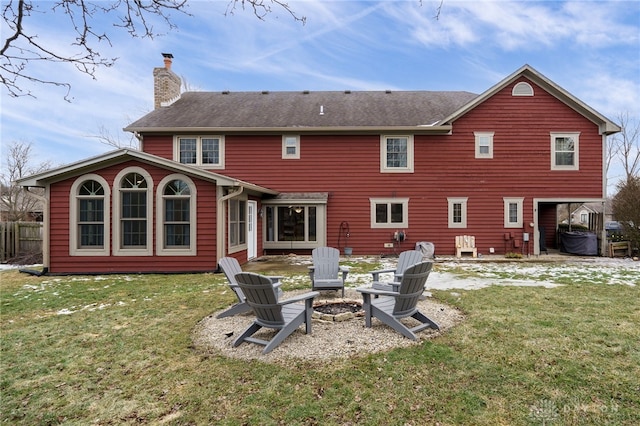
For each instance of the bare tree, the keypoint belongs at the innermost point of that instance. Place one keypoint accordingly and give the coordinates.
(625, 146)
(626, 208)
(17, 201)
(89, 20)
(116, 141)
(23, 47)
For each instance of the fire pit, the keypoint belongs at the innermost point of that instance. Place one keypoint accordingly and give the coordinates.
(337, 311)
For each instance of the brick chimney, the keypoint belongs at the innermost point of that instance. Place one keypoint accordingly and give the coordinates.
(166, 84)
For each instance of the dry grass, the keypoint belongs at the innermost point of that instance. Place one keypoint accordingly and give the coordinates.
(118, 350)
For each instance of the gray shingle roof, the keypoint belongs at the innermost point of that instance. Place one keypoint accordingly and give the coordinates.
(297, 110)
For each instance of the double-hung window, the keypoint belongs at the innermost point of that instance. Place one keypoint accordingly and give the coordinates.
(564, 151)
(205, 151)
(89, 217)
(133, 228)
(396, 154)
(513, 212)
(484, 144)
(457, 212)
(389, 212)
(176, 225)
(290, 147)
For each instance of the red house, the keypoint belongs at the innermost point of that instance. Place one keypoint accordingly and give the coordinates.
(247, 174)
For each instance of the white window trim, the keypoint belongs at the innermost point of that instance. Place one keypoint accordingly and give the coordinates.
(74, 246)
(458, 200)
(522, 89)
(176, 150)
(117, 249)
(321, 231)
(294, 156)
(243, 246)
(576, 154)
(383, 155)
(389, 201)
(520, 202)
(478, 137)
(160, 249)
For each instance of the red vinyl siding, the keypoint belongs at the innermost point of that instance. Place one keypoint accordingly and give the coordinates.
(348, 168)
(160, 145)
(62, 262)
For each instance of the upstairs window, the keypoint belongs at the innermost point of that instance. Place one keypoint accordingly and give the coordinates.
(176, 227)
(291, 147)
(89, 217)
(564, 151)
(389, 212)
(484, 144)
(522, 89)
(205, 151)
(396, 154)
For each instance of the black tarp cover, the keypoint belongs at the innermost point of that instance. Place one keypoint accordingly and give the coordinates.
(583, 243)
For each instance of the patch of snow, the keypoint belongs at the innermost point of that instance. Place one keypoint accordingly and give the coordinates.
(449, 281)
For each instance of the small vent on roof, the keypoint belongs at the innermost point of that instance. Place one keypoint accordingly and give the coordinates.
(265, 92)
(522, 89)
(305, 92)
(321, 109)
(347, 91)
(387, 91)
(225, 92)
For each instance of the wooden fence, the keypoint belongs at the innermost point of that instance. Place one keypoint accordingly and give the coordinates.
(20, 239)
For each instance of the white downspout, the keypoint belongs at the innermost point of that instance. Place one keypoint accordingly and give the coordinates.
(221, 223)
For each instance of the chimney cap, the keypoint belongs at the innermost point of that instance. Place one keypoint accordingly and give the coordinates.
(167, 55)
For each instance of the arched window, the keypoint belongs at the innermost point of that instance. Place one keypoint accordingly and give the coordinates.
(134, 210)
(89, 217)
(522, 89)
(176, 225)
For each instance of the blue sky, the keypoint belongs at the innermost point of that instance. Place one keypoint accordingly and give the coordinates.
(590, 48)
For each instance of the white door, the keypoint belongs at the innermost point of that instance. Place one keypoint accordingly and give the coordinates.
(252, 229)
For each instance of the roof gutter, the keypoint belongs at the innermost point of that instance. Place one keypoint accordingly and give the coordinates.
(419, 129)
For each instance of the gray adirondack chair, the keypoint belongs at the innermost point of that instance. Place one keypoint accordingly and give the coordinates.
(230, 266)
(326, 272)
(285, 316)
(392, 306)
(406, 259)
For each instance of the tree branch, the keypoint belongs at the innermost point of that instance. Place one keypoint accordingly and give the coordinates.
(23, 47)
(262, 8)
